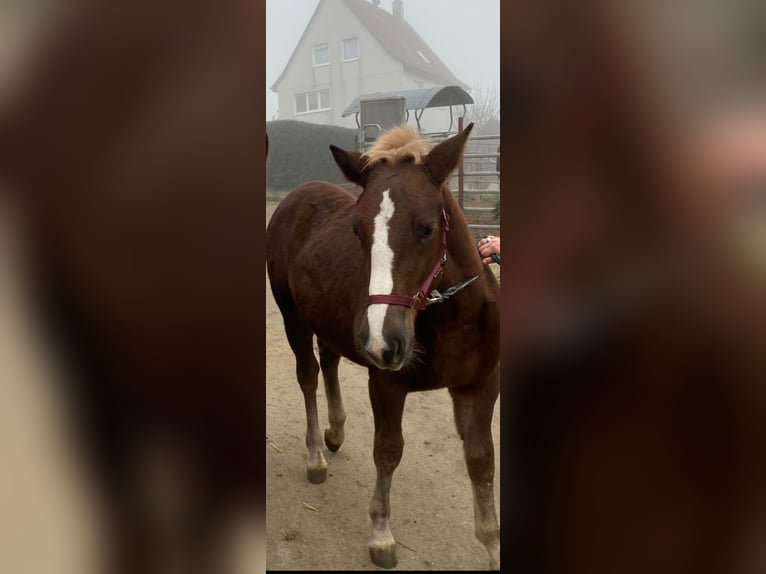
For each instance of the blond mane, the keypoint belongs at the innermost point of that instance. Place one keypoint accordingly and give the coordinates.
(396, 145)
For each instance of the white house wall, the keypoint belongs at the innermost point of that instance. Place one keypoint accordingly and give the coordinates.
(374, 71)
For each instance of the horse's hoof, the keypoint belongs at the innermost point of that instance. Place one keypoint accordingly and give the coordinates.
(333, 440)
(316, 475)
(383, 556)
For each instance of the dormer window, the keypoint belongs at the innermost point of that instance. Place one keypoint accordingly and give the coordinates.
(423, 56)
(321, 55)
(350, 49)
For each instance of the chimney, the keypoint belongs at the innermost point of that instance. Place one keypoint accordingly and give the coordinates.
(398, 10)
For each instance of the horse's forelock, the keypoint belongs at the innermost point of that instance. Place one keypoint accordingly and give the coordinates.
(396, 146)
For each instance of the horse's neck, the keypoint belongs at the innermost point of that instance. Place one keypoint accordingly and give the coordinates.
(462, 253)
(463, 259)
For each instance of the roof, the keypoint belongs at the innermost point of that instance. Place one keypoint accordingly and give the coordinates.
(418, 99)
(398, 38)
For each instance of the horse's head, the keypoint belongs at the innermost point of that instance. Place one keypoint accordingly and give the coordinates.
(399, 220)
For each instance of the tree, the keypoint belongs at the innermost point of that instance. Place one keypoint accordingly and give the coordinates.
(485, 111)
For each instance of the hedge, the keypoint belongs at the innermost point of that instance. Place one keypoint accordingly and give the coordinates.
(300, 152)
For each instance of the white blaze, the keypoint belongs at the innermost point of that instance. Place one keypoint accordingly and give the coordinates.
(381, 273)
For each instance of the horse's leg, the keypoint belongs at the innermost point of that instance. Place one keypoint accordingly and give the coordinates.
(473, 416)
(387, 400)
(301, 340)
(328, 361)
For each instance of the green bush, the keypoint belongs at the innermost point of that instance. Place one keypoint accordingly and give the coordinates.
(300, 152)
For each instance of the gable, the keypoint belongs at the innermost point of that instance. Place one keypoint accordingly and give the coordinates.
(403, 43)
(397, 38)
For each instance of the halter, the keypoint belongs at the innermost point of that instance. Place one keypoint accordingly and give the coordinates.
(420, 301)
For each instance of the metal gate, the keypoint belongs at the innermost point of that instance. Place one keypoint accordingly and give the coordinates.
(479, 185)
(476, 181)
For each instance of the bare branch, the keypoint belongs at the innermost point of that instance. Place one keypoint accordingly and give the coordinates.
(485, 111)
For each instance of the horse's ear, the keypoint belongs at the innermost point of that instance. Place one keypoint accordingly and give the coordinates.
(443, 159)
(350, 163)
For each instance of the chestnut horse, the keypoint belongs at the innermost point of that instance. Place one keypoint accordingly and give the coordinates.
(358, 274)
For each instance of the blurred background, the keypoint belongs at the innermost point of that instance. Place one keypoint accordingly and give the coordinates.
(131, 361)
(634, 228)
(49, 521)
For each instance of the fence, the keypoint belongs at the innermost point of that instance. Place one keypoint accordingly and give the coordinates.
(476, 182)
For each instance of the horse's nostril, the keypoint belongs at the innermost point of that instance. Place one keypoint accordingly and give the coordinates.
(393, 353)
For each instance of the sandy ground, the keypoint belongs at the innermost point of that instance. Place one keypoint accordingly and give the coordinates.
(432, 507)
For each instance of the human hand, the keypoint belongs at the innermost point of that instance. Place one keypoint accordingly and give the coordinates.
(488, 246)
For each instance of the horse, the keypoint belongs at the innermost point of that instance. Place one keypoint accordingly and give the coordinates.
(356, 272)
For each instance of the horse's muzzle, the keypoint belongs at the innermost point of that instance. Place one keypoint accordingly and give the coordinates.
(392, 351)
(392, 357)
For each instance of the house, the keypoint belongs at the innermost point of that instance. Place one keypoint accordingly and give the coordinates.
(353, 47)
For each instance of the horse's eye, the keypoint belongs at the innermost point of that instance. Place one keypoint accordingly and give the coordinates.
(425, 231)
(355, 229)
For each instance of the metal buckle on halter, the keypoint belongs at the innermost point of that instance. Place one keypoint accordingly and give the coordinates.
(437, 297)
(444, 262)
(419, 301)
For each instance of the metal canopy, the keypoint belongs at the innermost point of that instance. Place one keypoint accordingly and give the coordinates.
(419, 99)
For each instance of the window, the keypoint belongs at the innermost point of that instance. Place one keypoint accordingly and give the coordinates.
(321, 55)
(324, 100)
(300, 104)
(316, 101)
(350, 49)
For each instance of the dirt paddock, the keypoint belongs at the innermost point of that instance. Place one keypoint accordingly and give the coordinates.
(326, 526)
